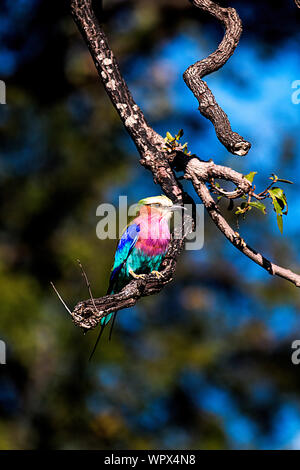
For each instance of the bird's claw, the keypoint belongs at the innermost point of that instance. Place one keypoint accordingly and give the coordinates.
(137, 276)
(157, 274)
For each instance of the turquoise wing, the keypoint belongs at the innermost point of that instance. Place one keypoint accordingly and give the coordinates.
(124, 248)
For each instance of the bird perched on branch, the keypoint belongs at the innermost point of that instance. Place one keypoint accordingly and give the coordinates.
(142, 247)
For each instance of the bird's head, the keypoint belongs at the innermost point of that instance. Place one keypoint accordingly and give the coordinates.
(159, 204)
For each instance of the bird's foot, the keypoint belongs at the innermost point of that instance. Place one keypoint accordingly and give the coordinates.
(157, 274)
(137, 276)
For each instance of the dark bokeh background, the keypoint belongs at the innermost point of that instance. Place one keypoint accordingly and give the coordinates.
(207, 363)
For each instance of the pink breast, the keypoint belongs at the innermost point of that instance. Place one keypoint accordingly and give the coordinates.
(154, 235)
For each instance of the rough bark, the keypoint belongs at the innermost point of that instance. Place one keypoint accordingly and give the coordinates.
(208, 106)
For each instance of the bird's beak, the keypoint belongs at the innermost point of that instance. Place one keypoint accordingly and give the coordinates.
(177, 208)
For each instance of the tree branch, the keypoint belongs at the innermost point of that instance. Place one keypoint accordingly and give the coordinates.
(233, 236)
(208, 106)
(162, 163)
(147, 141)
(153, 157)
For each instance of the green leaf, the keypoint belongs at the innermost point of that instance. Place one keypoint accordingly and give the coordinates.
(180, 134)
(250, 176)
(275, 203)
(239, 211)
(258, 205)
(280, 196)
(278, 192)
(280, 203)
(244, 207)
(280, 223)
(275, 178)
(285, 181)
(170, 137)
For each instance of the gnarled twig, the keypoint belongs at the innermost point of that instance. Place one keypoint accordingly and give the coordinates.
(208, 106)
(147, 141)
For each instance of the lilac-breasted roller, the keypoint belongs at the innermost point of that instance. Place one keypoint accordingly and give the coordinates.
(142, 247)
